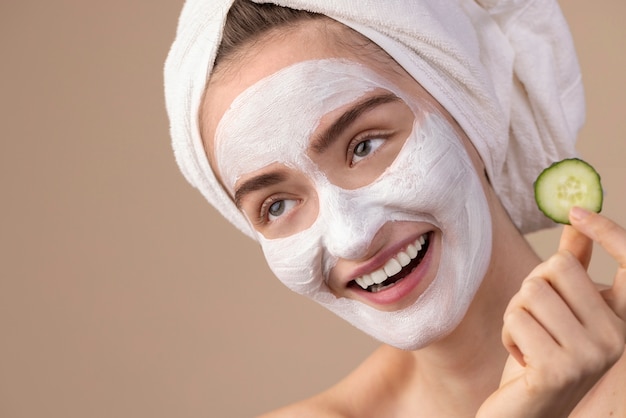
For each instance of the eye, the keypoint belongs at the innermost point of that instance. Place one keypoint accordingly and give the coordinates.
(365, 148)
(273, 209)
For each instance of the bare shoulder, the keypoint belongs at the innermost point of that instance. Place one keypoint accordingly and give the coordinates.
(328, 404)
(608, 396)
(373, 386)
(318, 406)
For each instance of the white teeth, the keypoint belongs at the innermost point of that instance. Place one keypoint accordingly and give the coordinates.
(392, 267)
(364, 281)
(360, 282)
(403, 258)
(367, 280)
(379, 276)
(412, 251)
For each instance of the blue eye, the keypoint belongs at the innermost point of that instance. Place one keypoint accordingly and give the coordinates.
(279, 208)
(365, 148)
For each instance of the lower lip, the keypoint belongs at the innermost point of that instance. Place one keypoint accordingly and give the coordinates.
(396, 294)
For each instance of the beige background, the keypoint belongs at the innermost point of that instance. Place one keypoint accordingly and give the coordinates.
(122, 293)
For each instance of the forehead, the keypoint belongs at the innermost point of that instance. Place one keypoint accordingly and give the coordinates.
(274, 119)
(310, 40)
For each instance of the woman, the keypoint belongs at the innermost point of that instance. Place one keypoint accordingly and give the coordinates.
(383, 163)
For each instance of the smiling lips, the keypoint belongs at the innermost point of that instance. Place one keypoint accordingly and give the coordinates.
(396, 268)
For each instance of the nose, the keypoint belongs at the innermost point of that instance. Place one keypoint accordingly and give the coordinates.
(351, 221)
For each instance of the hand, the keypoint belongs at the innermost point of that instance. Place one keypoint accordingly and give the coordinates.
(561, 332)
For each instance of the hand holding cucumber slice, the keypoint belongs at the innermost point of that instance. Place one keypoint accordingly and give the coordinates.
(568, 183)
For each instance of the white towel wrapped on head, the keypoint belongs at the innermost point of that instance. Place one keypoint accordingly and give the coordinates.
(506, 70)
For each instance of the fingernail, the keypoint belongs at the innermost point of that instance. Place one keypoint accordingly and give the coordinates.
(578, 213)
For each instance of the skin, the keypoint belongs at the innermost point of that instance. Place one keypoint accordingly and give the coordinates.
(539, 339)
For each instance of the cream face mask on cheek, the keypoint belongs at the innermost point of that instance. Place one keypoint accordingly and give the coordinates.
(432, 180)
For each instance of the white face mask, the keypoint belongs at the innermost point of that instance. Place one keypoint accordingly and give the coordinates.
(431, 180)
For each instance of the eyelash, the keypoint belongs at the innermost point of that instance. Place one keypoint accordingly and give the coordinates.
(362, 138)
(263, 217)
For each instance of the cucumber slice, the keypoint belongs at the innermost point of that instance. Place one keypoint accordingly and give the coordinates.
(568, 183)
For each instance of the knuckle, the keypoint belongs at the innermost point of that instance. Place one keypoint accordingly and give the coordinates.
(563, 261)
(533, 288)
(512, 317)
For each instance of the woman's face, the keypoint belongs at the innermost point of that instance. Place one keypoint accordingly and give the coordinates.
(362, 189)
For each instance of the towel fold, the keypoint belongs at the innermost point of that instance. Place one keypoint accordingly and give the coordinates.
(506, 70)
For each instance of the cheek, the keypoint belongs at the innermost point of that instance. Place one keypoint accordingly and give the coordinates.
(298, 261)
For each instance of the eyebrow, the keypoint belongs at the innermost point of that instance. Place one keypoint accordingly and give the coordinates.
(327, 137)
(257, 183)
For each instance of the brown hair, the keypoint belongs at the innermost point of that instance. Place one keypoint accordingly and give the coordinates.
(247, 21)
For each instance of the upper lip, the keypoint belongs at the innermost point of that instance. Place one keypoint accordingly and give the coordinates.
(382, 256)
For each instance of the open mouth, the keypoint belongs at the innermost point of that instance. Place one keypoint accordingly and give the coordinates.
(397, 268)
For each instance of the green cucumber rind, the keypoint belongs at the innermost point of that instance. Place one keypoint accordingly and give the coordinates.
(542, 190)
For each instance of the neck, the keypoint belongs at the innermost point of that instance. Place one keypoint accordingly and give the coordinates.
(461, 370)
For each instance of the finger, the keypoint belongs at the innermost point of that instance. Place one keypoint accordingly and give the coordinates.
(551, 311)
(525, 339)
(576, 243)
(612, 238)
(604, 231)
(567, 277)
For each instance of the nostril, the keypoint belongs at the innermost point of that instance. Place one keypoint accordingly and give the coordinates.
(350, 221)
(347, 246)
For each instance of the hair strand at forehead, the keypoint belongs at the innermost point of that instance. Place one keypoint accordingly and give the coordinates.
(247, 21)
